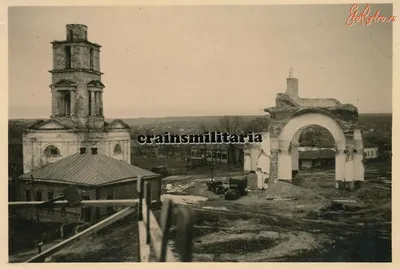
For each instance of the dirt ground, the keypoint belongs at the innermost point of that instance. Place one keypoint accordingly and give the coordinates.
(309, 226)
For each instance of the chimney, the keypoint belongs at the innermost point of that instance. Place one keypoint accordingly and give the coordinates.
(292, 87)
(82, 150)
(94, 151)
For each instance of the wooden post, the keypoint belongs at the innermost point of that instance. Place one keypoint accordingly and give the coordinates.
(39, 241)
(38, 236)
(138, 252)
(185, 233)
(148, 205)
(166, 221)
(139, 188)
(140, 193)
(157, 237)
(97, 208)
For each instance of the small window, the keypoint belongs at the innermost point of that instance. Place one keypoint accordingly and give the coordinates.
(224, 156)
(28, 195)
(71, 35)
(117, 149)
(50, 195)
(38, 195)
(91, 59)
(67, 57)
(52, 151)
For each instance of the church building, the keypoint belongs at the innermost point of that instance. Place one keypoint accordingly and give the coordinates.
(77, 118)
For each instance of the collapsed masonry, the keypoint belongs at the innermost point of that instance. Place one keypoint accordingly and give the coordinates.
(277, 157)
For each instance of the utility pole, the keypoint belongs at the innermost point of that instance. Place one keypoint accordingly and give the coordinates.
(39, 241)
(212, 164)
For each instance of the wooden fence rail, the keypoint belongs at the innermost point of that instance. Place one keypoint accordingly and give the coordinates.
(83, 203)
(152, 238)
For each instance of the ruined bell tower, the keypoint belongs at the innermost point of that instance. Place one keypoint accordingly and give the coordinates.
(77, 90)
(77, 118)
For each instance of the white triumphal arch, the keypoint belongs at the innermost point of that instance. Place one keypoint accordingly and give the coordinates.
(277, 157)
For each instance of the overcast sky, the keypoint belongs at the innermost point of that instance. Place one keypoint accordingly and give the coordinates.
(211, 60)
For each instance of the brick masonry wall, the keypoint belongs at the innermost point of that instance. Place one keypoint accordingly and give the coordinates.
(274, 166)
(57, 214)
(69, 143)
(81, 93)
(127, 190)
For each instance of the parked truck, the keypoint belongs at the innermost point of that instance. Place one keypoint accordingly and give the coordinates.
(195, 162)
(234, 189)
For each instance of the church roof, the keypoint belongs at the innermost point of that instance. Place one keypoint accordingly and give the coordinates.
(66, 123)
(112, 124)
(59, 125)
(96, 83)
(89, 170)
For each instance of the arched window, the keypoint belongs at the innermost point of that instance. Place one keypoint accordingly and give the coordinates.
(52, 151)
(117, 149)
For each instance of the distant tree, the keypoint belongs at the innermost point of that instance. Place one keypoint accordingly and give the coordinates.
(202, 129)
(143, 130)
(256, 125)
(316, 136)
(232, 125)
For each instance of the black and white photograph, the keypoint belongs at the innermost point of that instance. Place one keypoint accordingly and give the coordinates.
(200, 133)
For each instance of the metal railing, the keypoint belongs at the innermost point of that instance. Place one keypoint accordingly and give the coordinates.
(153, 238)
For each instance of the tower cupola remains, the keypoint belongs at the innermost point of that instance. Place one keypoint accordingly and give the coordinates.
(76, 122)
(76, 32)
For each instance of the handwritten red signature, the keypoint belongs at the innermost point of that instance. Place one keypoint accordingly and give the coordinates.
(364, 18)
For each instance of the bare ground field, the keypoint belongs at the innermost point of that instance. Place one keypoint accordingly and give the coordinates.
(256, 228)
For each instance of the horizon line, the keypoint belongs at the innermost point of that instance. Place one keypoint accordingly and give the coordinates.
(194, 116)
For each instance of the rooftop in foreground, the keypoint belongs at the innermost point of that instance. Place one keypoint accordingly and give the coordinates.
(88, 169)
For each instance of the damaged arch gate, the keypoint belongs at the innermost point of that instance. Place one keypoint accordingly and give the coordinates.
(151, 237)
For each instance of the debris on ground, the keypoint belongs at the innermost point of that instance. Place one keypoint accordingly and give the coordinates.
(281, 198)
(178, 188)
(218, 208)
